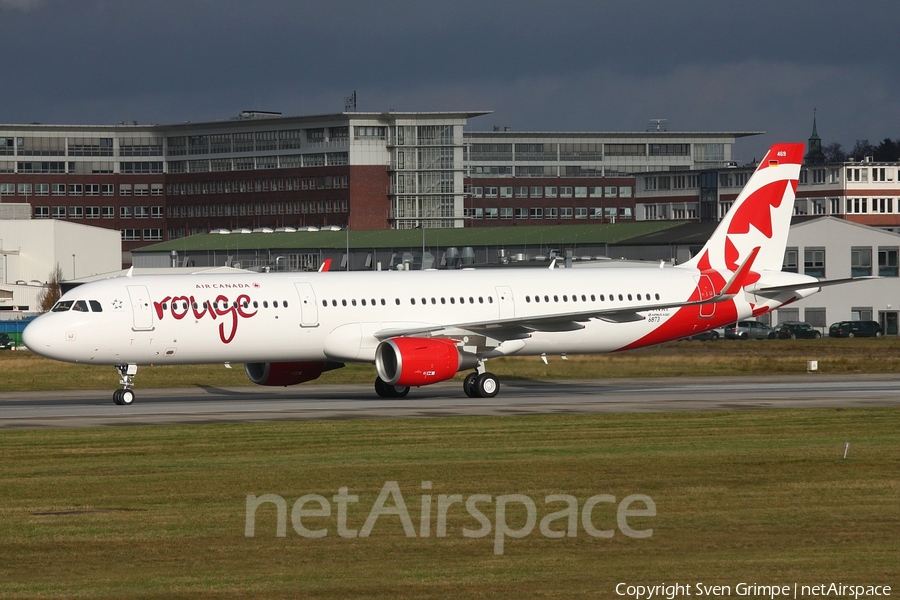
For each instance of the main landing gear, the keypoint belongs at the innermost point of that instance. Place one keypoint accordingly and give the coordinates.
(481, 385)
(390, 391)
(125, 396)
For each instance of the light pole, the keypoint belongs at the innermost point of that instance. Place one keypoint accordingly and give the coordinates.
(73, 266)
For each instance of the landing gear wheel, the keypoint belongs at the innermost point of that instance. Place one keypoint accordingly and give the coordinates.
(390, 391)
(123, 397)
(469, 385)
(487, 385)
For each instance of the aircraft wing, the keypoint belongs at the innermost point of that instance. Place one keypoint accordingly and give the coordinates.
(521, 327)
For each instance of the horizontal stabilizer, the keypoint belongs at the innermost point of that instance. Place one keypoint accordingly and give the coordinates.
(793, 287)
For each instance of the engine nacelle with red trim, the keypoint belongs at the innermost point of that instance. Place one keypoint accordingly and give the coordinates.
(287, 373)
(420, 361)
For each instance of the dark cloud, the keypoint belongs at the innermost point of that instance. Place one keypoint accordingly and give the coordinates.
(563, 65)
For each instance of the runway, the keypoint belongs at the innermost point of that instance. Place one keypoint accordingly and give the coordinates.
(251, 403)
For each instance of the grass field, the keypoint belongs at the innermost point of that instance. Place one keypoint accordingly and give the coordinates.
(159, 512)
(21, 371)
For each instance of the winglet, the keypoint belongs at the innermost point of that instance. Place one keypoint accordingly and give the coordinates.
(325, 266)
(130, 271)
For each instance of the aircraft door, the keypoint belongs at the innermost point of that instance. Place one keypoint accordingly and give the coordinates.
(707, 290)
(309, 311)
(507, 305)
(141, 308)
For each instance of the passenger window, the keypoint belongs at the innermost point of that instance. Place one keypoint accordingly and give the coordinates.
(490, 299)
(325, 303)
(412, 300)
(283, 304)
(363, 301)
(343, 303)
(95, 306)
(265, 304)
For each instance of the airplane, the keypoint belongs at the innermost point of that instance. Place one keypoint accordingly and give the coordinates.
(423, 327)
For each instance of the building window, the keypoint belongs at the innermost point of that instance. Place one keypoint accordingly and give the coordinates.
(789, 264)
(814, 262)
(41, 212)
(131, 235)
(109, 212)
(521, 212)
(581, 212)
(551, 212)
(861, 313)
(153, 234)
(93, 212)
(506, 213)
(536, 213)
(59, 212)
(565, 213)
(860, 262)
(887, 262)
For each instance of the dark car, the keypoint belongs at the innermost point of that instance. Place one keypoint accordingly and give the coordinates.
(855, 329)
(5, 342)
(708, 336)
(796, 330)
(749, 330)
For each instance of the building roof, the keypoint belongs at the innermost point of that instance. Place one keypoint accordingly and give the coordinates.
(412, 238)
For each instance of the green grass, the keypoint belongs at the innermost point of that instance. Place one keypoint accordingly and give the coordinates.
(23, 371)
(158, 512)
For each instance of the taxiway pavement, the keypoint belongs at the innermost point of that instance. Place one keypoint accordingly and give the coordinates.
(251, 403)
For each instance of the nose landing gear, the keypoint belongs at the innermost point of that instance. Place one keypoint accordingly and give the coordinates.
(125, 396)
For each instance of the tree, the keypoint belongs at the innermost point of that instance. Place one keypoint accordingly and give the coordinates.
(50, 295)
(862, 149)
(887, 151)
(834, 153)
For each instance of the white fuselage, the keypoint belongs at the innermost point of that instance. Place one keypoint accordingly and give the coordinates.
(180, 319)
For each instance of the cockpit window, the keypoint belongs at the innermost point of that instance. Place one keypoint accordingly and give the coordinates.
(62, 306)
(95, 306)
(80, 306)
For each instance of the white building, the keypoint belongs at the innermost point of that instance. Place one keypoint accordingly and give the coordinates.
(32, 249)
(835, 248)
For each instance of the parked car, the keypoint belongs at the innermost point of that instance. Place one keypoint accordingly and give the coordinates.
(855, 329)
(5, 342)
(749, 330)
(708, 336)
(796, 330)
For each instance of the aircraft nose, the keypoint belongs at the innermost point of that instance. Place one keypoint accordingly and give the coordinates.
(39, 336)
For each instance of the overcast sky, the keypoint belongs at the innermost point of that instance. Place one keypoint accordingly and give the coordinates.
(565, 65)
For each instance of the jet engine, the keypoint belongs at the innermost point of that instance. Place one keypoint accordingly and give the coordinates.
(288, 373)
(410, 361)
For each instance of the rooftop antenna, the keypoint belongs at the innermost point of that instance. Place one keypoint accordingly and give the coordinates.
(657, 125)
(350, 102)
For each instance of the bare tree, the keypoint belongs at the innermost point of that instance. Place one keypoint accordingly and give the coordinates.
(50, 295)
(834, 153)
(862, 149)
